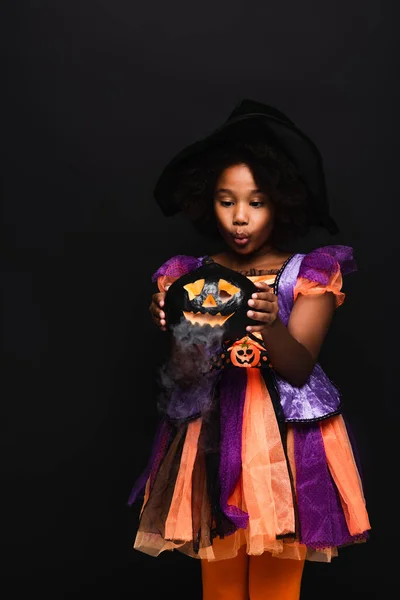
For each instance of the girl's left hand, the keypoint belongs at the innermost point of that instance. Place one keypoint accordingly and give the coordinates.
(264, 307)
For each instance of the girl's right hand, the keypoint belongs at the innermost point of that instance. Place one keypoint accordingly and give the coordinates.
(157, 314)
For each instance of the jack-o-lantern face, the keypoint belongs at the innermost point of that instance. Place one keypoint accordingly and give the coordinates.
(246, 353)
(211, 295)
(208, 299)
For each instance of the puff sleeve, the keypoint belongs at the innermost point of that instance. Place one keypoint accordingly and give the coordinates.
(174, 268)
(322, 271)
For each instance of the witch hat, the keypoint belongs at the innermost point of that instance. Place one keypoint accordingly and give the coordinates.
(251, 120)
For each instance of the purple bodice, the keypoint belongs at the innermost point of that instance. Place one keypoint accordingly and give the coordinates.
(318, 398)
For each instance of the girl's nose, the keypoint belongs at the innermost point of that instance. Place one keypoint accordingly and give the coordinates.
(240, 215)
(240, 218)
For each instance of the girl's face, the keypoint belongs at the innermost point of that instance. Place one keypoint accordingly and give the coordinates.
(244, 214)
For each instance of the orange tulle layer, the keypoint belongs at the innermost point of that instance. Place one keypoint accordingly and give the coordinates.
(334, 285)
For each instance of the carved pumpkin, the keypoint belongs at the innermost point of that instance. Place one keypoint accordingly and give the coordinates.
(211, 295)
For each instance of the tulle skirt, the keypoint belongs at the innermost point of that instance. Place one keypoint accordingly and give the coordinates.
(239, 475)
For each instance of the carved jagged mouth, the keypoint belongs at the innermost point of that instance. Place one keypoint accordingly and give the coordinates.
(206, 319)
(245, 361)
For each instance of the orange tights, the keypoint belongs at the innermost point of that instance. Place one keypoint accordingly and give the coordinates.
(252, 578)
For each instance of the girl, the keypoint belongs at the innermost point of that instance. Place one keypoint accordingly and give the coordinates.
(259, 474)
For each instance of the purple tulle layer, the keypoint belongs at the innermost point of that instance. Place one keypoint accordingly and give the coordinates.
(177, 266)
(320, 264)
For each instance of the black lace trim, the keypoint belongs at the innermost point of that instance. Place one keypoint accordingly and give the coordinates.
(278, 277)
(255, 272)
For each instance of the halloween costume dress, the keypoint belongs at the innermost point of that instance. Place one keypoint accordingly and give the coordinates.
(242, 457)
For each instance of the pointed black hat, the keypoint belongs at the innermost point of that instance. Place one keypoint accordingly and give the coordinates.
(252, 120)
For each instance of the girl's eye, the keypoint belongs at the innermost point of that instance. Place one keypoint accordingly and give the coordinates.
(225, 202)
(257, 203)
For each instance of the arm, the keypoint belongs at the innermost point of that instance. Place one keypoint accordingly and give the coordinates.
(294, 350)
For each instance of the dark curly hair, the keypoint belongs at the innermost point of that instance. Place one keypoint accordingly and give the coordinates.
(273, 173)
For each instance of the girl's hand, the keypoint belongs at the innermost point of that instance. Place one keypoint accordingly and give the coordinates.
(157, 314)
(264, 307)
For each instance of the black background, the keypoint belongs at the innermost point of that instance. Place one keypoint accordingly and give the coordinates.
(99, 95)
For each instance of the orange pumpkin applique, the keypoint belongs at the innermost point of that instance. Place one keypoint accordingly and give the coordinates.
(246, 353)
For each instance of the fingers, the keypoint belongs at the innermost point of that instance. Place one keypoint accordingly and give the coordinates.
(263, 301)
(159, 298)
(265, 292)
(253, 328)
(158, 315)
(264, 317)
(264, 307)
(159, 320)
(262, 320)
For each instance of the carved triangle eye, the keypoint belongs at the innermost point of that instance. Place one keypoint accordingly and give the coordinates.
(226, 290)
(194, 289)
